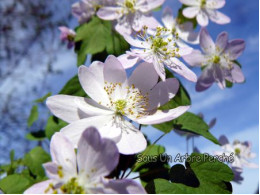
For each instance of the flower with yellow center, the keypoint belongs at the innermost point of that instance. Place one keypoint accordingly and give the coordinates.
(116, 99)
(83, 172)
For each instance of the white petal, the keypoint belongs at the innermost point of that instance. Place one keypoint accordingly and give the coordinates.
(127, 60)
(163, 116)
(191, 12)
(167, 18)
(202, 18)
(159, 67)
(218, 17)
(96, 157)
(104, 123)
(109, 13)
(190, 2)
(196, 58)
(40, 188)
(206, 42)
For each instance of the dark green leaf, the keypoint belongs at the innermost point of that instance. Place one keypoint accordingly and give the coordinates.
(53, 125)
(208, 175)
(33, 116)
(36, 136)
(42, 99)
(15, 184)
(34, 160)
(73, 87)
(229, 84)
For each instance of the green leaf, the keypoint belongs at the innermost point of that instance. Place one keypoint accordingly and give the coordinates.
(195, 124)
(15, 184)
(34, 160)
(93, 37)
(53, 125)
(36, 136)
(42, 99)
(73, 87)
(208, 177)
(229, 84)
(33, 116)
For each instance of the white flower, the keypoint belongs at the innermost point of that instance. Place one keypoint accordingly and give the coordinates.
(84, 172)
(131, 15)
(204, 10)
(114, 98)
(158, 49)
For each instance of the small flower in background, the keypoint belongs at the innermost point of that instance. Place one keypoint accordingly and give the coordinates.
(237, 174)
(240, 150)
(84, 172)
(158, 49)
(85, 9)
(67, 35)
(131, 15)
(217, 60)
(204, 10)
(113, 98)
(184, 31)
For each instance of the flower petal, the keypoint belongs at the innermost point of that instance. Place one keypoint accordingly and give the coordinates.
(96, 157)
(223, 140)
(180, 68)
(163, 92)
(150, 5)
(235, 48)
(109, 13)
(127, 60)
(149, 21)
(196, 58)
(163, 115)
(132, 140)
(190, 2)
(215, 4)
(191, 12)
(206, 42)
(123, 186)
(205, 80)
(51, 170)
(218, 17)
(136, 42)
(222, 42)
(92, 81)
(40, 188)
(72, 108)
(104, 123)
(144, 77)
(159, 67)
(237, 74)
(202, 18)
(114, 71)
(167, 18)
(63, 154)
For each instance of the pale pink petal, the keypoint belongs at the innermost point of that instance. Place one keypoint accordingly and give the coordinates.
(51, 170)
(167, 18)
(219, 76)
(40, 188)
(237, 74)
(124, 28)
(132, 140)
(235, 48)
(150, 5)
(180, 68)
(150, 21)
(218, 17)
(205, 80)
(136, 42)
(96, 157)
(93, 84)
(105, 125)
(163, 92)
(63, 154)
(196, 58)
(187, 34)
(206, 42)
(127, 60)
(159, 68)
(114, 72)
(144, 77)
(222, 41)
(123, 186)
(202, 18)
(190, 12)
(109, 13)
(185, 50)
(72, 108)
(161, 116)
(190, 2)
(215, 4)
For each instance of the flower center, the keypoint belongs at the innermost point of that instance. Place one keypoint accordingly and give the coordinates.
(216, 59)
(203, 3)
(72, 187)
(126, 100)
(237, 151)
(129, 4)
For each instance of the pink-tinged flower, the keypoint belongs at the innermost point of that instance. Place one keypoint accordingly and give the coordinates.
(241, 151)
(85, 9)
(217, 60)
(131, 15)
(158, 49)
(185, 31)
(67, 35)
(204, 10)
(114, 98)
(84, 172)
